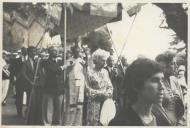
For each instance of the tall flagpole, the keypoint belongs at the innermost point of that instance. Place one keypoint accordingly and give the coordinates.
(65, 38)
(66, 99)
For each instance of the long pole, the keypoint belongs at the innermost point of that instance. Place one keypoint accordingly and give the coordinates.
(65, 39)
(66, 99)
(125, 42)
(115, 49)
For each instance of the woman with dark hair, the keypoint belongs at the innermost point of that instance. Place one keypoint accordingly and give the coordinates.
(143, 88)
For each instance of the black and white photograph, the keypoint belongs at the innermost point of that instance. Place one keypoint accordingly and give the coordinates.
(94, 64)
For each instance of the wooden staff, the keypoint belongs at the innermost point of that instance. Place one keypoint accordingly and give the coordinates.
(115, 50)
(36, 71)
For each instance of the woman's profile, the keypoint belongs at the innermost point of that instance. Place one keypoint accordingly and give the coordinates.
(143, 88)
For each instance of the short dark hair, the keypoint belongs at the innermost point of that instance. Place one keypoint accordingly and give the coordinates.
(136, 74)
(50, 49)
(165, 57)
(30, 48)
(109, 58)
(75, 50)
(23, 49)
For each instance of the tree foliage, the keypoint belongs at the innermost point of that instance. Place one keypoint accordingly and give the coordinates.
(176, 18)
(26, 9)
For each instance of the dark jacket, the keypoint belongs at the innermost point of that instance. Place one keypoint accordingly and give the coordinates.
(28, 74)
(54, 77)
(127, 117)
(161, 115)
(15, 68)
(117, 82)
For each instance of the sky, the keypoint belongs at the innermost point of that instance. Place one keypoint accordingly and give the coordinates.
(145, 38)
(142, 34)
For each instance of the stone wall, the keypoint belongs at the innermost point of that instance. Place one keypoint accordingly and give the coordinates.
(18, 32)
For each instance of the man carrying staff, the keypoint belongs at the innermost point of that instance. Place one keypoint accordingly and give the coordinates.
(53, 89)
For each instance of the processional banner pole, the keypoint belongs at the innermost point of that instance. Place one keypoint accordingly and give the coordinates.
(65, 39)
(66, 99)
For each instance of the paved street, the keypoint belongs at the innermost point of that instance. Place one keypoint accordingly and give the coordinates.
(9, 114)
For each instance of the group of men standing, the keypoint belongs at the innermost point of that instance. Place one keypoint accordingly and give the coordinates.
(43, 82)
(48, 95)
(33, 75)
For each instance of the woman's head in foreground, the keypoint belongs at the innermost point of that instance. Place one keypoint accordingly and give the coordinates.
(143, 81)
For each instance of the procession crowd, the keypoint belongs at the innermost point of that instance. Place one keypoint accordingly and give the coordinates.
(94, 89)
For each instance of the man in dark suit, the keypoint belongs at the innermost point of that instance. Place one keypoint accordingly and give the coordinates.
(53, 89)
(116, 78)
(17, 79)
(28, 71)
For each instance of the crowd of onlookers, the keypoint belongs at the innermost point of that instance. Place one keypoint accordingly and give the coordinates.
(94, 88)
